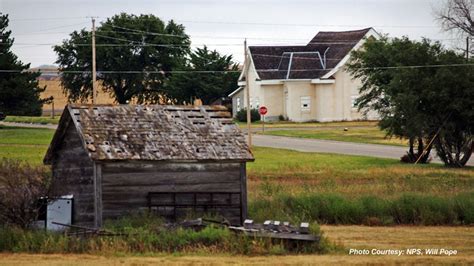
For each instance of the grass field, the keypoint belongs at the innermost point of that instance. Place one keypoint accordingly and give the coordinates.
(277, 174)
(288, 124)
(33, 119)
(369, 134)
(399, 237)
(29, 144)
(282, 171)
(357, 131)
(290, 185)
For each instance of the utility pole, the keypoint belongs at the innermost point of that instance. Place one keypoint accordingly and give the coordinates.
(247, 88)
(467, 47)
(52, 108)
(94, 89)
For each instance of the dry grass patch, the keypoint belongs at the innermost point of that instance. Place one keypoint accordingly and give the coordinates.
(460, 238)
(292, 172)
(161, 259)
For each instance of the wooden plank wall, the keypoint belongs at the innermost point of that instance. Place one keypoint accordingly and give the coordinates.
(125, 185)
(73, 174)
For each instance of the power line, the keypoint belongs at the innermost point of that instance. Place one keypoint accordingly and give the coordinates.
(194, 36)
(54, 28)
(139, 43)
(152, 33)
(214, 36)
(223, 44)
(307, 24)
(228, 44)
(185, 45)
(250, 23)
(295, 57)
(231, 71)
(206, 36)
(46, 18)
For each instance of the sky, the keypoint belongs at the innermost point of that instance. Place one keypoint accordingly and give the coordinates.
(222, 24)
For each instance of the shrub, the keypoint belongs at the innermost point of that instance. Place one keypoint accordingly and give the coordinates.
(371, 210)
(21, 185)
(464, 207)
(426, 210)
(242, 115)
(282, 118)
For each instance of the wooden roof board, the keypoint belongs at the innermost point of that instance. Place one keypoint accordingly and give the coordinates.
(155, 132)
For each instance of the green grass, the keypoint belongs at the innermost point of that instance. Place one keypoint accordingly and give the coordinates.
(31, 153)
(288, 124)
(270, 160)
(291, 185)
(33, 119)
(283, 171)
(25, 136)
(372, 135)
(29, 144)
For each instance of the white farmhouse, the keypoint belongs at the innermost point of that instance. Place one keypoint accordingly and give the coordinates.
(304, 83)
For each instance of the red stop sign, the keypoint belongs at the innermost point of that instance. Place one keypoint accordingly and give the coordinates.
(262, 110)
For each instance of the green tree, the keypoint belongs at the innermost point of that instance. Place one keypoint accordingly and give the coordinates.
(19, 89)
(215, 76)
(452, 107)
(418, 103)
(134, 56)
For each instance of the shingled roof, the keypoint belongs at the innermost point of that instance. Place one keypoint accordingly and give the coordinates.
(153, 132)
(271, 62)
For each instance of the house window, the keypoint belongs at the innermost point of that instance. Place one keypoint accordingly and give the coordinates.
(305, 103)
(353, 101)
(254, 102)
(238, 104)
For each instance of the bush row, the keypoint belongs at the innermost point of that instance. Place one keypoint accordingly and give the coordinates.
(241, 115)
(413, 209)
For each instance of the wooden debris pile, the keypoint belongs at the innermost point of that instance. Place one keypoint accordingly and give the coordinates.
(82, 231)
(269, 229)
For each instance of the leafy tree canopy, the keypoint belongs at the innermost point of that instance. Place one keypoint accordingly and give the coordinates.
(19, 89)
(420, 90)
(215, 77)
(134, 56)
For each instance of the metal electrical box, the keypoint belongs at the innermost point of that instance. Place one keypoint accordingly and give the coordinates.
(59, 210)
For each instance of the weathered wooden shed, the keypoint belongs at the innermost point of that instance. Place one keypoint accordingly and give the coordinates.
(116, 160)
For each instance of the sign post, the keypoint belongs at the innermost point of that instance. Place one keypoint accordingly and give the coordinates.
(263, 111)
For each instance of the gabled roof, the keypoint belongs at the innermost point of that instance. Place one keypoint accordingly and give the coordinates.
(235, 91)
(307, 62)
(153, 133)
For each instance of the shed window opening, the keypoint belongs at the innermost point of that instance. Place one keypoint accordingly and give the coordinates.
(305, 103)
